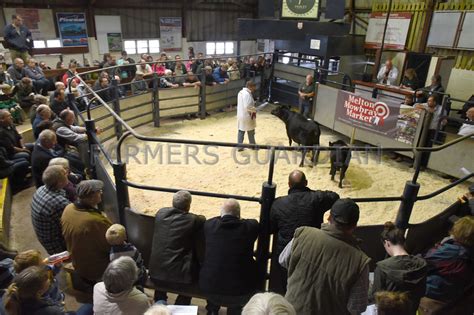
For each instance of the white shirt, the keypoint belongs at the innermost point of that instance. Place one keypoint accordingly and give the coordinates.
(392, 75)
(145, 71)
(466, 129)
(245, 108)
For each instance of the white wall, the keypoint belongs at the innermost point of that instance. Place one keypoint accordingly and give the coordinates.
(460, 86)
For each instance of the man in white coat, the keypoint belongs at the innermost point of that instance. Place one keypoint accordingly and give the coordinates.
(388, 73)
(246, 113)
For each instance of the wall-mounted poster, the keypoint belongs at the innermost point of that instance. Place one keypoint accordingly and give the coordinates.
(72, 29)
(170, 33)
(397, 30)
(114, 40)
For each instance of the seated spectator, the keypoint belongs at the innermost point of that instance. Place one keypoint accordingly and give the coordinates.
(201, 66)
(191, 80)
(43, 152)
(319, 257)
(127, 69)
(233, 72)
(30, 258)
(47, 207)
(105, 59)
(167, 81)
(8, 102)
(400, 272)
(228, 273)
(59, 102)
(16, 171)
(179, 70)
(190, 63)
(84, 227)
(17, 70)
(116, 236)
(160, 67)
(57, 86)
(67, 132)
(450, 270)
(11, 140)
(80, 99)
(144, 68)
(34, 72)
(112, 72)
(24, 296)
(468, 127)
(463, 111)
(60, 65)
(220, 74)
(116, 294)
(44, 66)
(434, 89)
(104, 92)
(268, 303)
(158, 310)
(139, 85)
(25, 94)
(408, 100)
(73, 179)
(70, 73)
(410, 79)
(392, 303)
(173, 260)
(210, 80)
(5, 77)
(43, 113)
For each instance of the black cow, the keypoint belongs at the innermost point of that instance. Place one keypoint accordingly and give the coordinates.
(340, 159)
(300, 130)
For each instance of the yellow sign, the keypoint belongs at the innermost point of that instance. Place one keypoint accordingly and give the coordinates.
(300, 9)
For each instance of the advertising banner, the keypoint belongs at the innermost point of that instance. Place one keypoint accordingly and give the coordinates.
(397, 30)
(72, 29)
(170, 33)
(387, 118)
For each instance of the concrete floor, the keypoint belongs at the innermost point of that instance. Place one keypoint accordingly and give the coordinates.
(22, 237)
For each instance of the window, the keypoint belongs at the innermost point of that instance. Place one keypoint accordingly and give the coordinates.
(142, 46)
(219, 48)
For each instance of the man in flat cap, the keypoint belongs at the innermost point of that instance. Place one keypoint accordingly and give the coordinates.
(327, 271)
(84, 227)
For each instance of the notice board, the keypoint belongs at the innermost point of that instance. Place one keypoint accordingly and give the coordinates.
(397, 30)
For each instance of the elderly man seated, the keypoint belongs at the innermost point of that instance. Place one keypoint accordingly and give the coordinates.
(173, 260)
(228, 274)
(468, 127)
(47, 208)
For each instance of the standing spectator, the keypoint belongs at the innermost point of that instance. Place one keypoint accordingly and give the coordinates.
(392, 303)
(400, 272)
(116, 236)
(17, 70)
(467, 127)
(220, 74)
(388, 73)
(18, 39)
(84, 228)
(116, 294)
(190, 52)
(11, 140)
(209, 78)
(246, 113)
(139, 85)
(179, 69)
(228, 273)
(434, 89)
(410, 79)
(47, 207)
(327, 272)
(306, 95)
(34, 72)
(59, 102)
(450, 271)
(173, 260)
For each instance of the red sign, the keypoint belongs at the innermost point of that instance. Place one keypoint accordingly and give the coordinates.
(396, 34)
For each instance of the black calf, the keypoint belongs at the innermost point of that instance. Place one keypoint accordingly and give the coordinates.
(340, 159)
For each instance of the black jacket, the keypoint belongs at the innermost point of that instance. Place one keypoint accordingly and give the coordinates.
(9, 139)
(173, 255)
(229, 268)
(21, 42)
(39, 162)
(302, 207)
(402, 274)
(6, 166)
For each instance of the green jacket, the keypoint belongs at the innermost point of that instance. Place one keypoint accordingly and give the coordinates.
(324, 266)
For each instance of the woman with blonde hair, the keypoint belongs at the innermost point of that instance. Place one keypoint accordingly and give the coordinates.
(268, 303)
(410, 79)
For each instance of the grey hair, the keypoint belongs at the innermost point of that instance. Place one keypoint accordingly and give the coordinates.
(158, 310)
(231, 207)
(3, 113)
(182, 200)
(46, 137)
(59, 161)
(120, 275)
(268, 303)
(52, 176)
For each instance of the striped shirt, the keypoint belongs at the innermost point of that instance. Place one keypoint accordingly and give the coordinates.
(127, 249)
(46, 210)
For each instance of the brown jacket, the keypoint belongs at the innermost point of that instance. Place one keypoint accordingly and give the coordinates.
(324, 266)
(84, 232)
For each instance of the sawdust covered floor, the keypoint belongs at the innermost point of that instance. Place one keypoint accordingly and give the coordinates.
(224, 170)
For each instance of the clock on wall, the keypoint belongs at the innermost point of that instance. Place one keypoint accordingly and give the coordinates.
(300, 9)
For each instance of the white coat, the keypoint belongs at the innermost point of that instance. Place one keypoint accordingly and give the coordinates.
(245, 109)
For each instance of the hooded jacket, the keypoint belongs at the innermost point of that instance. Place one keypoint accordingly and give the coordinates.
(403, 274)
(132, 302)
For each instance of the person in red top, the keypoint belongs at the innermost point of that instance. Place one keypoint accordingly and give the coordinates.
(72, 71)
